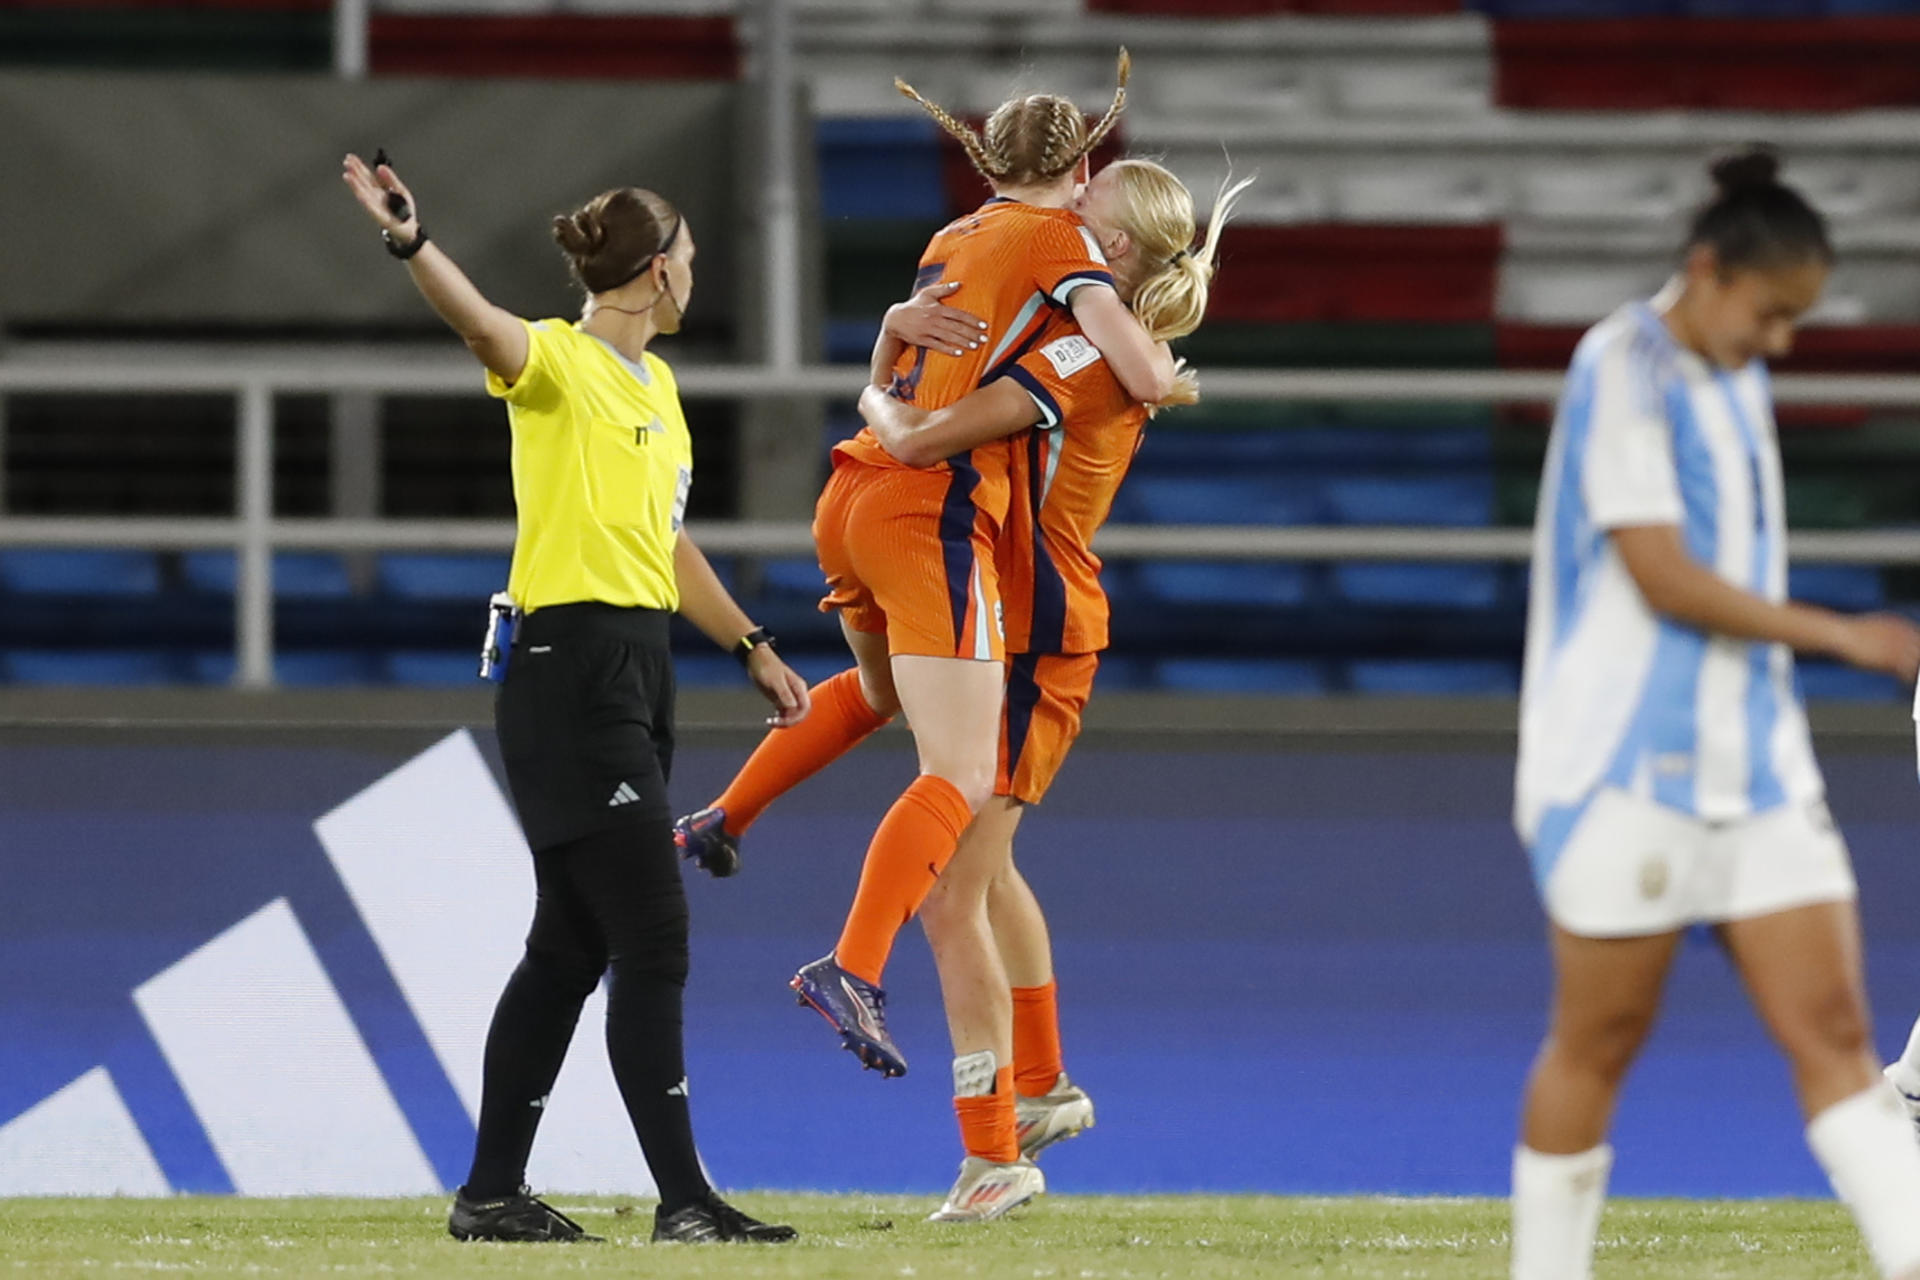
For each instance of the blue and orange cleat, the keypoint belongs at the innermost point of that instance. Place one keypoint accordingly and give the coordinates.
(856, 1009)
(703, 840)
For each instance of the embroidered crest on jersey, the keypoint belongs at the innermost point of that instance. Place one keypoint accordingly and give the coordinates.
(1071, 354)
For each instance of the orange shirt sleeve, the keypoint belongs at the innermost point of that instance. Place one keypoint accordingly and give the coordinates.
(1063, 256)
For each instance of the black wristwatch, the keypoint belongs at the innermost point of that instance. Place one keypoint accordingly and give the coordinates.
(405, 251)
(743, 647)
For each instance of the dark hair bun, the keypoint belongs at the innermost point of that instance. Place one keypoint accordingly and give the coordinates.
(1756, 165)
(579, 233)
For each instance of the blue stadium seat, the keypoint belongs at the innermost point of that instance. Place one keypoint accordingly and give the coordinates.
(1121, 673)
(84, 666)
(881, 168)
(1433, 676)
(297, 575)
(1855, 588)
(1164, 499)
(433, 668)
(850, 341)
(1458, 501)
(707, 670)
(79, 572)
(1227, 451)
(1389, 585)
(296, 668)
(1833, 682)
(793, 577)
(1241, 675)
(436, 576)
(1266, 584)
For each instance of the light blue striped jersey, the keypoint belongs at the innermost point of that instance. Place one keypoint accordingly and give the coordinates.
(1647, 433)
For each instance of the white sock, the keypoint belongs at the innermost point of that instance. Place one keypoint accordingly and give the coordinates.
(1556, 1212)
(1906, 1072)
(1865, 1143)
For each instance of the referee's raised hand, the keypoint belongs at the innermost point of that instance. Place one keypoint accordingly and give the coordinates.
(375, 187)
(781, 684)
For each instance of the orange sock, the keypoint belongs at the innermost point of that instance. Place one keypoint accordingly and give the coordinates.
(839, 721)
(1036, 1039)
(911, 848)
(987, 1124)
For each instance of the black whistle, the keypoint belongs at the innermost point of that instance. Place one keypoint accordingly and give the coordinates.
(396, 203)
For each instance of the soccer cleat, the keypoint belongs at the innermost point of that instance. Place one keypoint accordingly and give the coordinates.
(520, 1217)
(856, 1009)
(703, 840)
(985, 1190)
(1911, 1099)
(714, 1221)
(1059, 1113)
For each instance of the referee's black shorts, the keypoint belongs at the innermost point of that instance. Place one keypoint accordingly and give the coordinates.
(585, 718)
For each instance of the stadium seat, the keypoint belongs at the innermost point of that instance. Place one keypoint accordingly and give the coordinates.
(1848, 587)
(1393, 585)
(881, 168)
(1832, 682)
(297, 575)
(295, 668)
(800, 578)
(1257, 499)
(1240, 675)
(78, 572)
(706, 670)
(1433, 676)
(1248, 584)
(89, 667)
(1124, 672)
(436, 576)
(1453, 501)
(431, 668)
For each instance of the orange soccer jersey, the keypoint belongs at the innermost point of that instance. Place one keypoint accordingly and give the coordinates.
(1017, 266)
(1065, 474)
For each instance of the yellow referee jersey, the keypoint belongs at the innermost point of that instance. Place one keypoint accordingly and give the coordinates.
(601, 467)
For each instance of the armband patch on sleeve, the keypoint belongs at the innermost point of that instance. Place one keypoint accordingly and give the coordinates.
(1071, 354)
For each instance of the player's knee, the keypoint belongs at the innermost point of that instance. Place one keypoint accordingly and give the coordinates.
(1606, 1045)
(1831, 1024)
(878, 690)
(571, 974)
(972, 779)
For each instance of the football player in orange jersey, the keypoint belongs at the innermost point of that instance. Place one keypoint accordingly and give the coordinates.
(908, 556)
(1085, 430)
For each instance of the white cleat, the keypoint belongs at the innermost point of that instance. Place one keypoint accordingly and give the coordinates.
(1061, 1112)
(985, 1190)
(1912, 1099)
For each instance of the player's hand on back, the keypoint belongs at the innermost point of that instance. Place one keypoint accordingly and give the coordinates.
(925, 321)
(1883, 642)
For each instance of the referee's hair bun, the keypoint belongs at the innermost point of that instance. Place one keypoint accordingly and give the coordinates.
(580, 234)
(1754, 165)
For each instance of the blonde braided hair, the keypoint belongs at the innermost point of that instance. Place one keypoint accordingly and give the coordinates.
(1030, 140)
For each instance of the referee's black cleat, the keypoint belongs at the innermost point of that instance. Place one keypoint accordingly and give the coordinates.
(714, 1221)
(702, 839)
(520, 1217)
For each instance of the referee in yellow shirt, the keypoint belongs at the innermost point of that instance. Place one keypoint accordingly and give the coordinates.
(602, 464)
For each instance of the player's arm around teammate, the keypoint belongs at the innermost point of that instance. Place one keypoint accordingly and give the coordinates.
(602, 464)
(1666, 772)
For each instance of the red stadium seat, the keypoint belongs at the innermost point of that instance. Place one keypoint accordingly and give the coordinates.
(1726, 64)
(1357, 272)
(554, 44)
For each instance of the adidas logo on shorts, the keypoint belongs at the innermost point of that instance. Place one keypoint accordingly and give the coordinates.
(625, 795)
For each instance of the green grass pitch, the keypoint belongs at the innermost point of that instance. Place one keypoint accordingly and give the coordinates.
(1057, 1238)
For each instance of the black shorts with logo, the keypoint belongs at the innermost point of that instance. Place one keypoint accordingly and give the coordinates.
(585, 718)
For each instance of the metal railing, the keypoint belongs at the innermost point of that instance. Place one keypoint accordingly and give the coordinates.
(255, 377)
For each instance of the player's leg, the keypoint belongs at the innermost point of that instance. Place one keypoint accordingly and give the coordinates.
(532, 1025)
(993, 1178)
(1802, 968)
(1048, 1106)
(1606, 994)
(953, 705)
(1904, 1073)
(847, 708)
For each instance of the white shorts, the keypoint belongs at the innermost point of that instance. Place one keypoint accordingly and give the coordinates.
(1631, 867)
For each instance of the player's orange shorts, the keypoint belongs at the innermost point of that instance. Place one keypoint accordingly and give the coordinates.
(907, 555)
(1046, 692)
